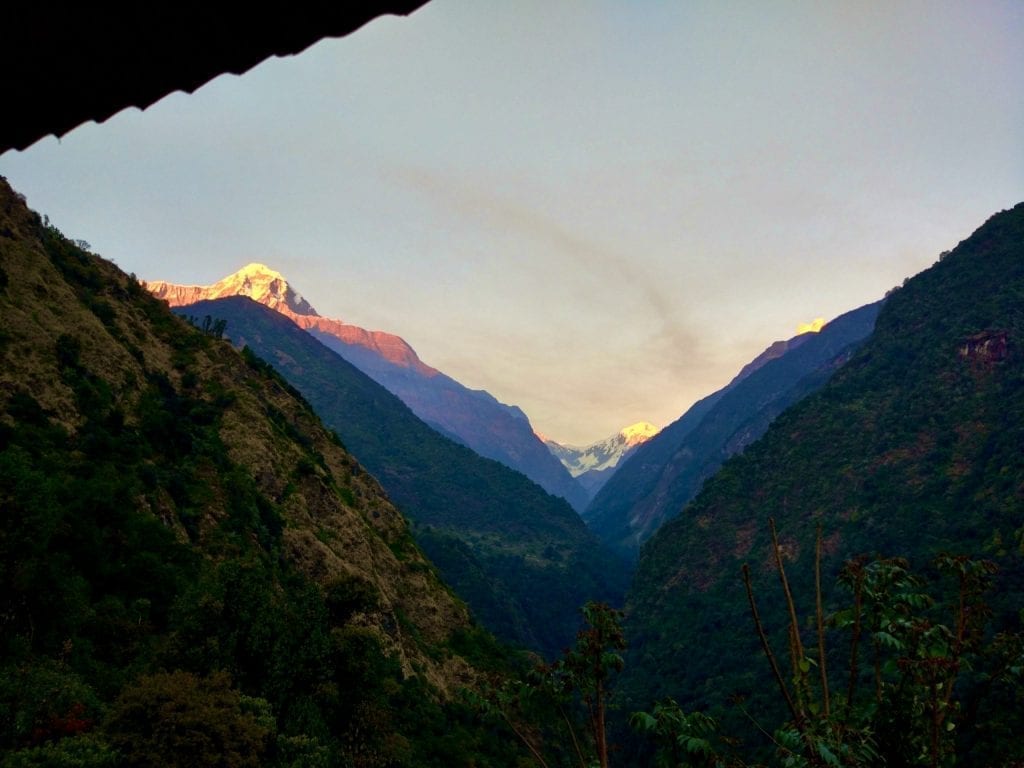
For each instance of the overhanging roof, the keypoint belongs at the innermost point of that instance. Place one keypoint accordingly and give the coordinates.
(63, 66)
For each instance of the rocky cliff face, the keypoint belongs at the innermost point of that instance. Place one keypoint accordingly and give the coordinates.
(473, 417)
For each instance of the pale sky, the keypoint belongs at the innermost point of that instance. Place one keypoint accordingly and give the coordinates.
(598, 211)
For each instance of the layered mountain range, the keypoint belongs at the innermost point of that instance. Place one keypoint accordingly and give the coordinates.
(472, 417)
(592, 465)
(665, 473)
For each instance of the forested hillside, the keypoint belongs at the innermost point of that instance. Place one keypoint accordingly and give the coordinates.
(913, 449)
(195, 571)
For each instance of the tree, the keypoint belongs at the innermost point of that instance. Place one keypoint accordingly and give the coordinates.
(579, 683)
(682, 739)
(926, 682)
(589, 667)
(923, 649)
(178, 719)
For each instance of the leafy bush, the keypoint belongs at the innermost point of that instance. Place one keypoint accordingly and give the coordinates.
(179, 719)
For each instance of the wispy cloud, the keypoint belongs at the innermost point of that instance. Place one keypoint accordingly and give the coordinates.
(586, 259)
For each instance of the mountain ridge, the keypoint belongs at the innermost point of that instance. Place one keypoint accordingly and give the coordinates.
(662, 475)
(500, 540)
(181, 532)
(473, 417)
(270, 288)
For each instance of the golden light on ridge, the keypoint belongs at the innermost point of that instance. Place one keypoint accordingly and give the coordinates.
(812, 327)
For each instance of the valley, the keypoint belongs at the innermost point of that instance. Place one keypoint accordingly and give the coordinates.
(180, 526)
(512, 385)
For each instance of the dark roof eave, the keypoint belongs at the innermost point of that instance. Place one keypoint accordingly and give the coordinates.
(66, 67)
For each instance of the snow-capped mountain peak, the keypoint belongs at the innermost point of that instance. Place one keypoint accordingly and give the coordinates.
(257, 281)
(604, 454)
(638, 433)
(265, 285)
(472, 417)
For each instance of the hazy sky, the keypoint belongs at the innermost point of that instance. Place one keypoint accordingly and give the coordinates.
(598, 211)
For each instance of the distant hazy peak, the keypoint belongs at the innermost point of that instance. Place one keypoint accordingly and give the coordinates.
(634, 434)
(774, 351)
(777, 349)
(814, 326)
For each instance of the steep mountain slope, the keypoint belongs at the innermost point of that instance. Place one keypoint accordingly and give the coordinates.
(912, 448)
(179, 527)
(663, 475)
(473, 417)
(593, 465)
(522, 558)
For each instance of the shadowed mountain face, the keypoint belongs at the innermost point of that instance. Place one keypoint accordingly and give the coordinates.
(522, 558)
(657, 481)
(472, 417)
(913, 448)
